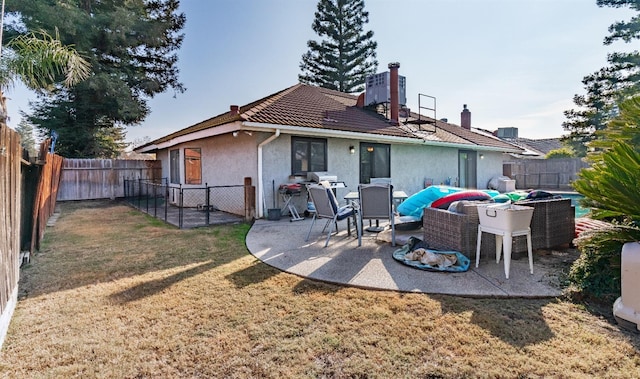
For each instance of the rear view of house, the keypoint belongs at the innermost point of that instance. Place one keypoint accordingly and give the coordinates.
(303, 129)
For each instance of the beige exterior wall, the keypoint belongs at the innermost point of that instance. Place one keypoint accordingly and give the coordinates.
(410, 166)
(489, 167)
(227, 160)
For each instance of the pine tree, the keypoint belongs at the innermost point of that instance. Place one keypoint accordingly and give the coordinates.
(27, 139)
(607, 87)
(346, 55)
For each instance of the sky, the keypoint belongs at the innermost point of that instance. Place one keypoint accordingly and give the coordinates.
(515, 63)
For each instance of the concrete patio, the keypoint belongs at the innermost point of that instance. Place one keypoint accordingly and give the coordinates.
(281, 244)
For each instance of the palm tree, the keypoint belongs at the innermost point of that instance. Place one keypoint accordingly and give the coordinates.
(39, 61)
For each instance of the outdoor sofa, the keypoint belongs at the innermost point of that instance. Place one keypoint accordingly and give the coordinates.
(552, 225)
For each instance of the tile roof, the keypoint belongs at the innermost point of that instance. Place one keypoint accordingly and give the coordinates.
(540, 146)
(319, 108)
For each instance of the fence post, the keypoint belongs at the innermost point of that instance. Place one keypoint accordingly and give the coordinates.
(155, 200)
(207, 203)
(166, 201)
(180, 207)
(146, 195)
(249, 200)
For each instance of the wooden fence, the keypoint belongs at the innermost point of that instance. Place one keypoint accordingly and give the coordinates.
(10, 213)
(544, 173)
(27, 200)
(44, 201)
(87, 179)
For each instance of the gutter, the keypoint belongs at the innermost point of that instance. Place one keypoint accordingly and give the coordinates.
(261, 202)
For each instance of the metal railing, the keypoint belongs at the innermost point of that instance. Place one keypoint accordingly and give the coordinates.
(189, 207)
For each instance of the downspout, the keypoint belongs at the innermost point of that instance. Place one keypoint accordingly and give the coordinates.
(260, 186)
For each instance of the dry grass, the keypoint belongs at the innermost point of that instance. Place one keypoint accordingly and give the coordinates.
(115, 294)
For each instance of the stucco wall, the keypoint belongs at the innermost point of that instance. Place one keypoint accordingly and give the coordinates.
(488, 167)
(227, 160)
(410, 166)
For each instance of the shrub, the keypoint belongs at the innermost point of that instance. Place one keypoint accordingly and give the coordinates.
(596, 273)
(563, 152)
(610, 187)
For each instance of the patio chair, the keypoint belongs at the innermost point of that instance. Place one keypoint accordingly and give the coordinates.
(326, 206)
(376, 203)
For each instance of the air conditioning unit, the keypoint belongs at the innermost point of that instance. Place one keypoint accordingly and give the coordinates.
(378, 89)
(508, 132)
(626, 308)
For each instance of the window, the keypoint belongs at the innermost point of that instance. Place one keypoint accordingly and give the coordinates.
(174, 168)
(308, 155)
(192, 166)
(375, 161)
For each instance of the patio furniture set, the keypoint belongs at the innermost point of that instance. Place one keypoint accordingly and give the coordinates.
(552, 224)
(549, 223)
(373, 202)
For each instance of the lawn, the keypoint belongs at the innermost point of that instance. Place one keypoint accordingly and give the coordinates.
(114, 293)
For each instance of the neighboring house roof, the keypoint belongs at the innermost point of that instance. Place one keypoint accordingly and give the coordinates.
(323, 111)
(536, 147)
(132, 155)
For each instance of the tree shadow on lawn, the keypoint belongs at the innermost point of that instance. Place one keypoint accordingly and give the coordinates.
(102, 241)
(253, 274)
(260, 272)
(518, 322)
(153, 287)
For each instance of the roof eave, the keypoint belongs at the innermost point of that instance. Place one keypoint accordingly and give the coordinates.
(312, 132)
(315, 132)
(200, 134)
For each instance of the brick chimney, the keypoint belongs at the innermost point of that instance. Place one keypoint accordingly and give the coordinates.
(394, 92)
(465, 118)
(234, 110)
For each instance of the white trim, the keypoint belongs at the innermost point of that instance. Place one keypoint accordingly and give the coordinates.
(317, 132)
